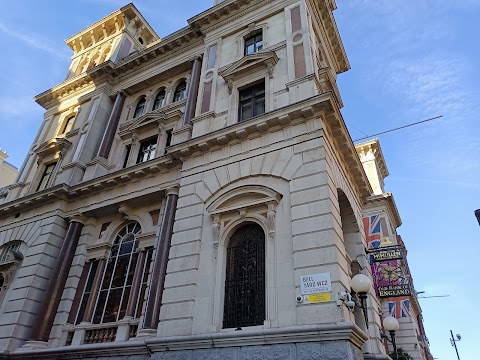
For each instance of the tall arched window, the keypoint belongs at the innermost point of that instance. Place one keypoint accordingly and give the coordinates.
(180, 91)
(244, 303)
(159, 99)
(140, 107)
(117, 279)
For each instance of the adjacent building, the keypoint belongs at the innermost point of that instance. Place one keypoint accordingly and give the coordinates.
(8, 172)
(196, 197)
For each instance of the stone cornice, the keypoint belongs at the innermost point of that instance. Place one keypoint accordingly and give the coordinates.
(374, 146)
(281, 117)
(388, 200)
(52, 146)
(323, 11)
(336, 127)
(118, 19)
(248, 64)
(110, 72)
(69, 193)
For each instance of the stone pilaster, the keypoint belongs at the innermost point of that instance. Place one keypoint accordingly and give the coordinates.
(112, 125)
(159, 270)
(53, 293)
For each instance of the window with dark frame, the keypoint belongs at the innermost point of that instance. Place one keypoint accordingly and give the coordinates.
(148, 148)
(244, 303)
(159, 99)
(254, 43)
(180, 91)
(251, 102)
(127, 155)
(140, 108)
(47, 174)
(169, 141)
(117, 279)
(68, 125)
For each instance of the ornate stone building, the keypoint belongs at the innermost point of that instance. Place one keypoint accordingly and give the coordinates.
(187, 197)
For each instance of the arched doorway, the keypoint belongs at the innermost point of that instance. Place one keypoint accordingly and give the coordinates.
(244, 303)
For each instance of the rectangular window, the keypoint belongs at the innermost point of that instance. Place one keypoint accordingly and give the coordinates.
(254, 43)
(127, 155)
(47, 174)
(251, 102)
(169, 140)
(147, 151)
(68, 125)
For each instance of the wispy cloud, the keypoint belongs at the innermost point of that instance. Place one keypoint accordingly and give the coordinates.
(32, 40)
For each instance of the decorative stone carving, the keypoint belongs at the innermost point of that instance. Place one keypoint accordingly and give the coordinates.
(271, 220)
(125, 210)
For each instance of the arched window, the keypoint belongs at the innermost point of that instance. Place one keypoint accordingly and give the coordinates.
(244, 303)
(117, 279)
(180, 91)
(159, 99)
(140, 107)
(6, 253)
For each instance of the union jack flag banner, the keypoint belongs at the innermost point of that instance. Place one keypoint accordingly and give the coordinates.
(376, 231)
(399, 307)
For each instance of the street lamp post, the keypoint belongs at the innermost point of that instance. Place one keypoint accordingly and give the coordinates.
(453, 341)
(391, 325)
(361, 284)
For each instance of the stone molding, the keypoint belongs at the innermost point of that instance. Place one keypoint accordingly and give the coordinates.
(296, 334)
(388, 200)
(150, 168)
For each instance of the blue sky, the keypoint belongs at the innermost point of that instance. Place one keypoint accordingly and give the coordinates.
(410, 60)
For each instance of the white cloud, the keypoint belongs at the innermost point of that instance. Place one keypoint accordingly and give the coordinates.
(32, 41)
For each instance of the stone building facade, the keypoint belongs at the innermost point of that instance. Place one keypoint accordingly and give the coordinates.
(180, 189)
(8, 172)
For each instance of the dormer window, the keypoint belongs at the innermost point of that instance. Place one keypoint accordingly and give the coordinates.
(140, 108)
(180, 91)
(68, 125)
(159, 100)
(254, 43)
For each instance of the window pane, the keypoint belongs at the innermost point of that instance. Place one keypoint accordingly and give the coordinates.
(140, 107)
(100, 306)
(180, 91)
(159, 100)
(245, 111)
(120, 271)
(259, 106)
(123, 307)
(113, 305)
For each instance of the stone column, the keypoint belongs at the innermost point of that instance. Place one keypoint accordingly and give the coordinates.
(58, 277)
(92, 298)
(112, 125)
(136, 284)
(192, 94)
(159, 270)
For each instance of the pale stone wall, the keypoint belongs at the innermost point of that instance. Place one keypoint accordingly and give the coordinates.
(43, 235)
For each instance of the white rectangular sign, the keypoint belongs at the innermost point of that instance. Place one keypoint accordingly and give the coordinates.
(315, 283)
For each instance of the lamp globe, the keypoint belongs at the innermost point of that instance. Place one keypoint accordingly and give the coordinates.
(390, 323)
(361, 283)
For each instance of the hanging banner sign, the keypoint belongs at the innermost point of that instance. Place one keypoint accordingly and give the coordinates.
(315, 284)
(384, 255)
(394, 291)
